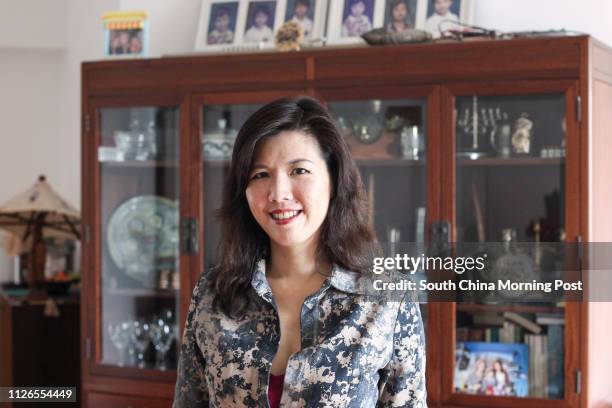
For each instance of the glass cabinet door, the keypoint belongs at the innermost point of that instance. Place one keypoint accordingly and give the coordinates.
(220, 126)
(139, 237)
(510, 157)
(388, 140)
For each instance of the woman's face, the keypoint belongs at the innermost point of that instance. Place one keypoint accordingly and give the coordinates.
(289, 188)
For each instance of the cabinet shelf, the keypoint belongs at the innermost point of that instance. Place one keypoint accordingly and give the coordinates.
(517, 308)
(390, 162)
(143, 292)
(512, 161)
(140, 164)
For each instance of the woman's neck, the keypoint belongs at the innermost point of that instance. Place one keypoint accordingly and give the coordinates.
(295, 262)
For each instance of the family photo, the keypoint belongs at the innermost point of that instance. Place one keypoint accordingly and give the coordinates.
(125, 42)
(492, 368)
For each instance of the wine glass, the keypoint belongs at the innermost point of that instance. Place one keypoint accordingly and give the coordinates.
(162, 335)
(141, 335)
(119, 334)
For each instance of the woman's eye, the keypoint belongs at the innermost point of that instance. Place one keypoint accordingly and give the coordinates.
(259, 175)
(299, 170)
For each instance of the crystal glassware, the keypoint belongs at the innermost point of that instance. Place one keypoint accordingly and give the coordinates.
(119, 334)
(162, 336)
(141, 336)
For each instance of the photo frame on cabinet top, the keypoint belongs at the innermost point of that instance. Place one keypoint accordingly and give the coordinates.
(256, 12)
(219, 24)
(409, 11)
(348, 19)
(316, 11)
(429, 20)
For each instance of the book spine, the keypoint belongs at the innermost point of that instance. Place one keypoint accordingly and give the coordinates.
(555, 361)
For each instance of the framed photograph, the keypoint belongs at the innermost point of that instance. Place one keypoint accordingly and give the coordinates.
(400, 15)
(262, 19)
(499, 369)
(436, 16)
(349, 19)
(310, 14)
(218, 23)
(125, 33)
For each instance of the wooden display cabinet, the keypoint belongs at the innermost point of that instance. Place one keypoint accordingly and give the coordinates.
(156, 137)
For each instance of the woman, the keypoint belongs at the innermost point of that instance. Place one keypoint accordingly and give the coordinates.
(284, 313)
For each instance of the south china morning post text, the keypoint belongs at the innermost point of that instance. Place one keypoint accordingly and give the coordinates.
(527, 276)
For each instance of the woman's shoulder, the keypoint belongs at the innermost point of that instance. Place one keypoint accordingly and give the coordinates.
(202, 288)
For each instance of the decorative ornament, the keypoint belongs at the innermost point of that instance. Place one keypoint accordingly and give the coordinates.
(380, 36)
(521, 139)
(289, 36)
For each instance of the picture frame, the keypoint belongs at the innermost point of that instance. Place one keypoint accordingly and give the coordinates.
(261, 20)
(400, 15)
(499, 369)
(126, 34)
(348, 19)
(218, 24)
(429, 20)
(314, 13)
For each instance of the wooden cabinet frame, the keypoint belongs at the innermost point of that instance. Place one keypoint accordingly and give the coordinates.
(436, 72)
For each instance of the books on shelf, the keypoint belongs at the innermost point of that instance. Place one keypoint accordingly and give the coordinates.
(488, 319)
(523, 321)
(555, 361)
(550, 318)
(538, 367)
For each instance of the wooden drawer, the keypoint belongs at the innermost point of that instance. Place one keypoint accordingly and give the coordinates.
(97, 400)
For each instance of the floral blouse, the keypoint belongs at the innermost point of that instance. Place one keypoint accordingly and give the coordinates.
(356, 351)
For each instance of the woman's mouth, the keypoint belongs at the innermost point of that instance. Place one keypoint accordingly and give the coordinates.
(285, 217)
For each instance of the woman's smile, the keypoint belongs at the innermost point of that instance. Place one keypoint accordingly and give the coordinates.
(284, 217)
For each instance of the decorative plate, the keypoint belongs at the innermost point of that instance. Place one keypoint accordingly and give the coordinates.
(142, 237)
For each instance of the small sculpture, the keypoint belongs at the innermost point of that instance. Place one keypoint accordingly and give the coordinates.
(289, 36)
(380, 36)
(521, 138)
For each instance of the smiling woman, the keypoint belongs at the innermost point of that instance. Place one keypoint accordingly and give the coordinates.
(283, 318)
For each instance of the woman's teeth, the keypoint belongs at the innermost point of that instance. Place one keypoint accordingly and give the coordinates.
(284, 215)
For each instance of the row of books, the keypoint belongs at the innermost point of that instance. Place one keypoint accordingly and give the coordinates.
(543, 335)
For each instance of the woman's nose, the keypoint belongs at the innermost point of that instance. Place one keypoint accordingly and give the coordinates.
(280, 189)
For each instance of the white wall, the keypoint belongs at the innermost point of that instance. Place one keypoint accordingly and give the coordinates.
(33, 24)
(172, 24)
(590, 16)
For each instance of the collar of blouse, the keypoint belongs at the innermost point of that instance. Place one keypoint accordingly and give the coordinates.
(341, 279)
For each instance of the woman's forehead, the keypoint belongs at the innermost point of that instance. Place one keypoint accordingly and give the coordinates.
(286, 146)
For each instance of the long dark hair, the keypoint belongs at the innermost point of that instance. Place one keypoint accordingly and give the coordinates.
(346, 237)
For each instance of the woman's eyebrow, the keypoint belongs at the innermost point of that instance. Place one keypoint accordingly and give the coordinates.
(299, 160)
(256, 166)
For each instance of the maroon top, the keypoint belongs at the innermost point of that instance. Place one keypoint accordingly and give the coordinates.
(275, 389)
